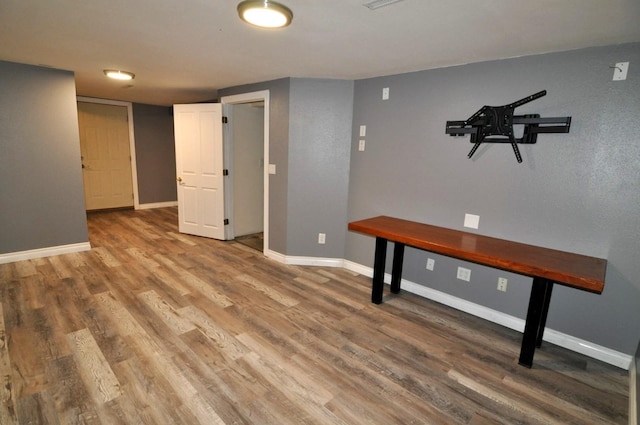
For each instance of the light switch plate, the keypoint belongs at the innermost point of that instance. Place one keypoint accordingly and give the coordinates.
(272, 168)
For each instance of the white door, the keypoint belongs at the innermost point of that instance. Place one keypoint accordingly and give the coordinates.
(199, 169)
(106, 157)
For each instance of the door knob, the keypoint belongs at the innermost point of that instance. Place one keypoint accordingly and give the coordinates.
(179, 179)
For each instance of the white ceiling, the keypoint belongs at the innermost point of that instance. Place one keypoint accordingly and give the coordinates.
(184, 50)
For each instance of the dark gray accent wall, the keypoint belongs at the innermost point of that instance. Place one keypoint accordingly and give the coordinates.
(278, 154)
(576, 192)
(155, 153)
(41, 189)
(320, 119)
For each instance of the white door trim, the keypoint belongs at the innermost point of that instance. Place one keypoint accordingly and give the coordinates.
(132, 142)
(257, 96)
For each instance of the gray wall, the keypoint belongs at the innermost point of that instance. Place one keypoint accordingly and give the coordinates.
(319, 148)
(155, 153)
(41, 189)
(576, 192)
(247, 168)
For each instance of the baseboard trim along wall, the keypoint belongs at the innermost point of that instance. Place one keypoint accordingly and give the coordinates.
(44, 252)
(157, 205)
(560, 339)
(305, 261)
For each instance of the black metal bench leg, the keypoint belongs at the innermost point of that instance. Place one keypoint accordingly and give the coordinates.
(545, 311)
(536, 318)
(378, 270)
(396, 271)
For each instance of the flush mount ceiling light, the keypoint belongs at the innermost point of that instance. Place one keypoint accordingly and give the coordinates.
(265, 13)
(119, 75)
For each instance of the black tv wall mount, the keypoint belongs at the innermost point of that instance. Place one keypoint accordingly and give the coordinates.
(494, 124)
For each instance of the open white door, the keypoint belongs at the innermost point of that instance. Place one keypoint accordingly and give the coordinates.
(199, 169)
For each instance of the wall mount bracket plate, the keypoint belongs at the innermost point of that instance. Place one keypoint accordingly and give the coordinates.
(494, 124)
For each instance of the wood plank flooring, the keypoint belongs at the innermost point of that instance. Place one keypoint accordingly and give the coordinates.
(155, 327)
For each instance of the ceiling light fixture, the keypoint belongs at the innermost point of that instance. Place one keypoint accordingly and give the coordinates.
(116, 74)
(265, 13)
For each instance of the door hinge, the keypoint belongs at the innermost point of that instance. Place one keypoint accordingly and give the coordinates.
(225, 120)
(225, 172)
(226, 221)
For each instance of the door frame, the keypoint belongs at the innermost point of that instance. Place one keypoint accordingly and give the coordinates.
(132, 142)
(227, 102)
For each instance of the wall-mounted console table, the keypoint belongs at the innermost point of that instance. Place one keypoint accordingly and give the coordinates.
(546, 266)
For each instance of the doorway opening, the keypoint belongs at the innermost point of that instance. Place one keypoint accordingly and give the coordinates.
(246, 150)
(108, 154)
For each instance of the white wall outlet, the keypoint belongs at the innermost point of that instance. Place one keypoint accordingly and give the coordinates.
(363, 130)
(471, 221)
(430, 263)
(620, 71)
(272, 168)
(385, 93)
(464, 274)
(361, 145)
(321, 238)
(502, 284)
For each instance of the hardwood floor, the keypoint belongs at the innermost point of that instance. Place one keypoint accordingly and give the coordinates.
(254, 240)
(155, 327)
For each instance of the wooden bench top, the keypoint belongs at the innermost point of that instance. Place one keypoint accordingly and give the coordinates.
(575, 270)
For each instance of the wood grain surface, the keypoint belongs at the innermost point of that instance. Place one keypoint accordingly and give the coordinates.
(155, 327)
(576, 270)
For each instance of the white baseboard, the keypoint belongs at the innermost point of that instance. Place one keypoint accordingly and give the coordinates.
(304, 261)
(314, 261)
(276, 256)
(44, 252)
(157, 205)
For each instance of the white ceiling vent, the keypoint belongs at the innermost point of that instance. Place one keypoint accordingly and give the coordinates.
(377, 4)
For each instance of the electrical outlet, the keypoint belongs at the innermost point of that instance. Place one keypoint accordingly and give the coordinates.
(321, 238)
(464, 274)
(502, 284)
(361, 145)
(430, 263)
